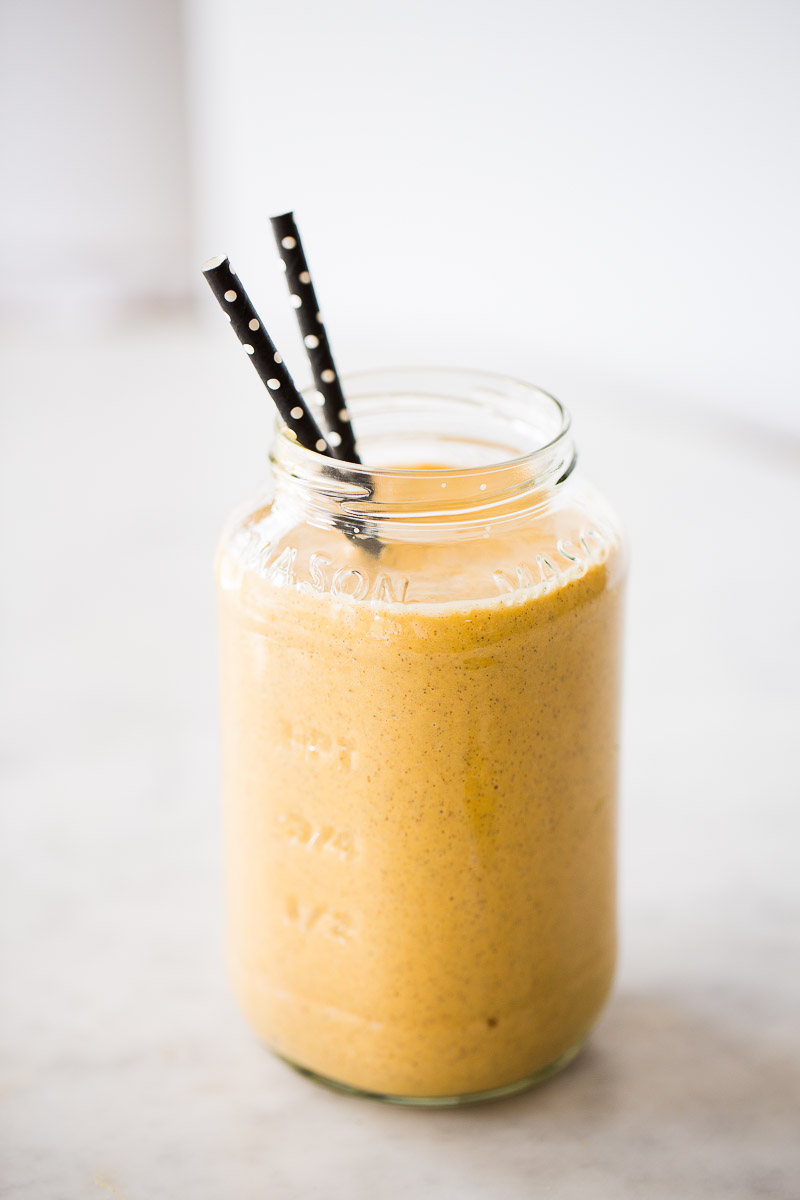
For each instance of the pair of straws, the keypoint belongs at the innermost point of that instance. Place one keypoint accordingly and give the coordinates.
(339, 442)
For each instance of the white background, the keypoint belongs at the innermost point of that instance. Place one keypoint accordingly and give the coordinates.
(95, 196)
(599, 197)
(507, 185)
(491, 183)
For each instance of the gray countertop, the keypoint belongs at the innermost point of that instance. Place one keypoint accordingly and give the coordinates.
(125, 1069)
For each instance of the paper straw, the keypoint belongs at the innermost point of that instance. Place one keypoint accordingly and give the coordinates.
(315, 339)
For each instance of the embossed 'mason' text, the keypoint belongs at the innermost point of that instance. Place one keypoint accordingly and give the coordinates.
(320, 574)
(550, 570)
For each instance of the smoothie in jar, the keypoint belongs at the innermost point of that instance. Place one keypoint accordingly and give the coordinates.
(420, 750)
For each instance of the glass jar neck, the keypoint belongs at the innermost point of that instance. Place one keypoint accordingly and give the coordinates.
(446, 454)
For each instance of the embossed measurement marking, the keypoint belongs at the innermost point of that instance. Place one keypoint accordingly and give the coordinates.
(318, 917)
(297, 829)
(341, 751)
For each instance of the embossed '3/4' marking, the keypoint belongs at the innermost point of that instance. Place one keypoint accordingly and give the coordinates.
(323, 838)
(318, 918)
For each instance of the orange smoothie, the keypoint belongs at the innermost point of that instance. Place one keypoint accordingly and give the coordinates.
(420, 798)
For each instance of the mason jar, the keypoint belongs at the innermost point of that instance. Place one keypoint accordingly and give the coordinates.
(420, 671)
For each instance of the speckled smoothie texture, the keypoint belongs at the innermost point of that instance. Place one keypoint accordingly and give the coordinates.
(420, 822)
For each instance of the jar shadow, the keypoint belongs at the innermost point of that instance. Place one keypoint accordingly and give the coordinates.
(665, 1092)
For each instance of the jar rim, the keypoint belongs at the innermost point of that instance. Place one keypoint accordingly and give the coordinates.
(487, 381)
(426, 417)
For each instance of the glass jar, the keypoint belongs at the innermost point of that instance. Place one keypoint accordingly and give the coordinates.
(420, 683)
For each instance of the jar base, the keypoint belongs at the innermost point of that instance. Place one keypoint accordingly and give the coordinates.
(498, 1093)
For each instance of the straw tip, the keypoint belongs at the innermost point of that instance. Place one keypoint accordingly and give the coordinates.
(213, 263)
(284, 216)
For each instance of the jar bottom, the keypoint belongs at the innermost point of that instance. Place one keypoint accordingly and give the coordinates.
(498, 1093)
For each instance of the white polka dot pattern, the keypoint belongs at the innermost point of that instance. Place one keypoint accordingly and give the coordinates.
(263, 354)
(304, 300)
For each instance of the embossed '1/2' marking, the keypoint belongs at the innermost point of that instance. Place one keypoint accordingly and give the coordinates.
(318, 918)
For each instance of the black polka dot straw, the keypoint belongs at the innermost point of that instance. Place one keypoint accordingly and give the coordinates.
(257, 343)
(315, 339)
